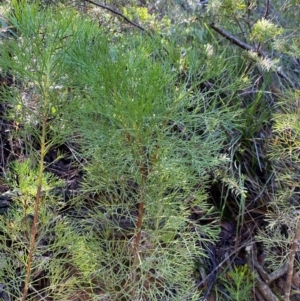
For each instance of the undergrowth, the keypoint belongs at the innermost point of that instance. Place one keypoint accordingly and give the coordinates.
(145, 142)
(155, 128)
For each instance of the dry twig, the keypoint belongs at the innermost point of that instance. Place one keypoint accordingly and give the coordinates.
(248, 47)
(120, 15)
(294, 247)
(261, 285)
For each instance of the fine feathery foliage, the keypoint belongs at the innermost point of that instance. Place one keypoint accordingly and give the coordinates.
(147, 137)
(163, 130)
(34, 237)
(150, 141)
(239, 283)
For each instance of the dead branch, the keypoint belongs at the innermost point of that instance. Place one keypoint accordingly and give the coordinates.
(248, 47)
(236, 41)
(294, 247)
(261, 285)
(119, 14)
(267, 9)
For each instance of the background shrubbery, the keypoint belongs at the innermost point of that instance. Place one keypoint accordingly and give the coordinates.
(154, 161)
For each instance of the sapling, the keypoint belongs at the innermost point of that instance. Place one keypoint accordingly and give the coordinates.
(150, 142)
(36, 59)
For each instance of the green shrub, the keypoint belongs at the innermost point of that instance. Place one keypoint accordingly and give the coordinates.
(147, 131)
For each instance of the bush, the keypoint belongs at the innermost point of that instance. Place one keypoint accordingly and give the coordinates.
(148, 140)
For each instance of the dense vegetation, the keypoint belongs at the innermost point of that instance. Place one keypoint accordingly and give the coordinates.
(149, 150)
